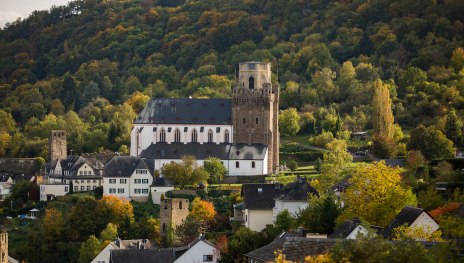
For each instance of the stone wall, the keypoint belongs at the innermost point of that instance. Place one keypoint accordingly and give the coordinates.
(26, 166)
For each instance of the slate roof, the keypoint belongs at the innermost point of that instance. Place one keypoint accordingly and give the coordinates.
(186, 111)
(407, 216)
(141, 256)
(161, 182)
(133, 244)
(297, 248)
(72, 163)
(266, 253)
(345, 229)
(297, 191)
(123, 166)
(255, 199)
(344, 183)
(203, 151)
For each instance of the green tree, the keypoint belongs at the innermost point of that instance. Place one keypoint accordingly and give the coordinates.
(215, 168)
(89, 250)
(289, 122)
(320, 214)
(432, 143)
(371, 187)
(285, 221)
(334, 165)
(454, 128)
(382, 115)
(109, 233)
(185, 172)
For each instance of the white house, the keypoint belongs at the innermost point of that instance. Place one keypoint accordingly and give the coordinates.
(49, 191)
(140, 244)
(294, 197)
(350, 229)
(412, 217)
(200, 250)
(159, 187)
(5, 190)
(128, 177)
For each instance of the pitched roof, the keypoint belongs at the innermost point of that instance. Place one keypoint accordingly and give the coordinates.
(203, 151)
(186, 111)
(297, 248)
(345, 228)
(133, 244)
(407, 216)
(267, 253)
(123, 166)
(161, 182)
(179, 251)
(297, 191)
(141, 256)
(72, 163)
(260, 196)
(344, 183)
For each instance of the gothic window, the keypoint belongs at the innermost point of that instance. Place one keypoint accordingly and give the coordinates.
(226, 136)
(257, 120)
(210, 136)
(162, 135)
(177, 135)
(251, 83)
(194, 135)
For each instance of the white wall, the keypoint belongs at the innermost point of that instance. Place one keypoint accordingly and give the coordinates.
(244, 169)
(129, 186)
(147, 136)
(426, 222)
(157, 191)
(196, 253)
(54, 189)
(118, 185)
(141, 186)
(104, 256)
(292, 206)
(358, 230)
(257, 220)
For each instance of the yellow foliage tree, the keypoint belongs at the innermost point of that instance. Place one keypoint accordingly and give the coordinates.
(115, 209)
(202, 210)
(53, 224)
(322, 258)
(138, 101)
(416, 233)
(376, 194)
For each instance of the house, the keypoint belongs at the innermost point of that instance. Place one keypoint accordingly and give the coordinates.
(349, 229)
(118, 244)
(83, 174)
(294, 197)
(459, 154)
(412, 217)
(256, 211)
(49, 191)
(242, 131)
(128, 177)
(340, 187)
(159, 187)
(267, 253)
(5, 189)
(199, 250)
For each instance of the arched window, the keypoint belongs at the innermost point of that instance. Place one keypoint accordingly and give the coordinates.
(162, 135)
(210, 136)
(177, 135)
(194, 135)
(226, 136)
(251, 83)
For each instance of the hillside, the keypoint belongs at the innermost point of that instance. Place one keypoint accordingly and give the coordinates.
(55, 63)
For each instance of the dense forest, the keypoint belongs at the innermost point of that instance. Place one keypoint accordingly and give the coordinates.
(90, 66)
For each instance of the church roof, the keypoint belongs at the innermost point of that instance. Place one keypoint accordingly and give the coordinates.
(186, 111)
(203, 151)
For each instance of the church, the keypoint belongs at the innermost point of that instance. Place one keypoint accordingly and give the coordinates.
(242, 132)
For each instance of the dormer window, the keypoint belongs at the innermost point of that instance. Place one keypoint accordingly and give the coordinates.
(260, 190)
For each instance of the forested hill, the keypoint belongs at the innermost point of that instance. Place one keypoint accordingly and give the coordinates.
(327, 54)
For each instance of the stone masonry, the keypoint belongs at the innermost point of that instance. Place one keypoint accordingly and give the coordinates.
(172, 213)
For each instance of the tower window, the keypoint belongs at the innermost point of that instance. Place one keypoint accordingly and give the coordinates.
(164, 227)
(194, 135)
(180, 205)
(237, 165)
(177, 135)
(210, 136)
(251, 83)
(162, 135)
(244, 120)
(257, 120)
(253, 165)
(226, 136)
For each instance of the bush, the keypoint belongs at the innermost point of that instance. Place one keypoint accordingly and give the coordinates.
(322, 139)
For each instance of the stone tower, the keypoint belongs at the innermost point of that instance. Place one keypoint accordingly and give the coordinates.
(3, 246)
(57, 145)
(255, 109)
(172, 213)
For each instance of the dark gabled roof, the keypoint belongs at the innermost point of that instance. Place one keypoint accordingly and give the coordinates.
(72, 163)
(141, 256)
(345, 229)
(344, 183)
(123, 166)
(297, 191)
(203, 151)
(267, 253)
(253, 198)
(179, 251)
(161, 182)
(297, 248)
(407, 216)
(134, 244)
(186, 111)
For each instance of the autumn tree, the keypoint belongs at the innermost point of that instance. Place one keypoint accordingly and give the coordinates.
(185, 172)
(115, 209)
(215, 169)
(454, 128)
(371, 187)
(202, 210)
(138, 101)
(416, 233)
(334, 165)
(289, 122)
(89, 250)
(109, 233)
(53, 224)
(382, 120)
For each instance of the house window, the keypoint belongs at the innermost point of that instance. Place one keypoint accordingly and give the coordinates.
(251, 83)
(93, 187)
(137, 181)
(112, 181)
(144, 191)
(94, 181)
(80, 172)
(194, 135)
(76, 188)
(226, 136)
(120, 190)
(177, 135)
(162, 135)
(88, 181)
(144, 181)
(260, 190)
(253, 165)
(237, 165)
(112, 190)
(207, 258)
(141, 171)
(66, 189)
(88, 188)
(210, 136)
(137, 191)
(82, 188)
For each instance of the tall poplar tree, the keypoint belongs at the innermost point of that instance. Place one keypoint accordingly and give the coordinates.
(382, 115)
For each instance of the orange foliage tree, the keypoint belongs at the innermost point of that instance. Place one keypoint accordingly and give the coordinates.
(115, 209)
(450, 207)
(202, 210)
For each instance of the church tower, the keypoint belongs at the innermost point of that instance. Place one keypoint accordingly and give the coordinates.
(57, 148)
(255, 109)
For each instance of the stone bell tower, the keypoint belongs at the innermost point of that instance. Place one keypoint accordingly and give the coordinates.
(57, 148)
(255, 109)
